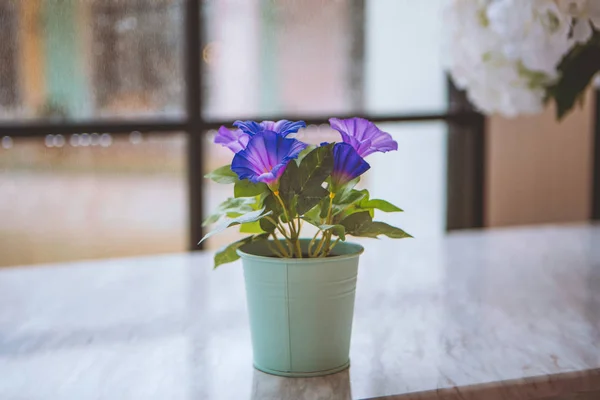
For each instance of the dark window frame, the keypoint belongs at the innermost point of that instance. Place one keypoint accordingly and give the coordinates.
(465, 200)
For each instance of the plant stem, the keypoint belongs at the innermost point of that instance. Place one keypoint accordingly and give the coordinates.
(279, 245)
(278, 226)
(312, 243)
(326, 253)
(326, 235)
(320, 245)
(331, 196)
(275, 251)
(293, 233)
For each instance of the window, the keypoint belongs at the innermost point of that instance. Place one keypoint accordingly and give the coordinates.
(106, 136)
(8, 54)
(92, 59)
(137, 57)
(98, 195)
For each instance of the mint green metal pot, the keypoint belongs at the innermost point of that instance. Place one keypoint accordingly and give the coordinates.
(300, 309)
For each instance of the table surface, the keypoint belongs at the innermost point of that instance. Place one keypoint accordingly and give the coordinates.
(500, 314)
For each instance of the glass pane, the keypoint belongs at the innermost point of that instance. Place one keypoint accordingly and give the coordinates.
(394, 176)
(319, 57)
(403, 57)
(91, 195)
(82, 59)
(413, 178)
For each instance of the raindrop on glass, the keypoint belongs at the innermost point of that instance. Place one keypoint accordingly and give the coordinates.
(59, 141)
(135, 137)
(49, 141)
(84, 139)
(105, 140)
(74, 140)
(7, 142)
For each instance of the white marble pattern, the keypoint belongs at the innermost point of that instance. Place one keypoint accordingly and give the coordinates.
(504, 314)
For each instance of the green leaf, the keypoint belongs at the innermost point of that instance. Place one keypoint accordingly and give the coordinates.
(251, 227)
(348, 203)
(272, 204)
(315, 167)
(223, 174)
(347, 187)
(313, 214)
(309, 198)
(577, 69)
(381, 228)
(267, 225)
(228, 222)
(361, 224)
(351, 196)
(245, 188)
(230, 207)
(305, 180)
(289, 182)
(337, 230)
(324, 207)
(304, 152)
(229, 253)
(382, 205)
(357, 223)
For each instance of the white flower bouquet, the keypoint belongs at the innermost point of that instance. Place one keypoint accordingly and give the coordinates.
(514, 56)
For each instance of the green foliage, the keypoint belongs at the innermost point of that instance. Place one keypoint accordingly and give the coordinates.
(251, 227)
(304, 181)
(353, 201)
(577, 69)
(267, 226)
(302, 194)
(245, 188)
(273, 205)
(372, 205)
(229, 253)
(231, 208)
(310, 198)
(223, 174)
(228, 222)
(357, 223)
(337, 230)
(382, 205)
(304, 152)
(362, 224)
(351, 196)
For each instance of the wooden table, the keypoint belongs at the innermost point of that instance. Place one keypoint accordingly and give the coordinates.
(502, 314)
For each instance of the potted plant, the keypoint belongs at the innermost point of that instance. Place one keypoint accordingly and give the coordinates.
(300, 291)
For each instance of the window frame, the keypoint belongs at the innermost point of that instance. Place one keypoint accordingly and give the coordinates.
(466, 140)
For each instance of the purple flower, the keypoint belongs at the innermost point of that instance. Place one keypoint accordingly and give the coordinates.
(265, 157)
(347, 165)
(283, 127)
(235, 140)
(363, 135)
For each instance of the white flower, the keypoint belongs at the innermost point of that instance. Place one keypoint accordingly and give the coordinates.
(586, 14)
(536, 32)
(505, 52)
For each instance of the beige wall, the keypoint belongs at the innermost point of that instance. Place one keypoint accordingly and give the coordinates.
(539, 170)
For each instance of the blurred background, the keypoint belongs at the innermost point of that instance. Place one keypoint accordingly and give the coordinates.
(108, 109)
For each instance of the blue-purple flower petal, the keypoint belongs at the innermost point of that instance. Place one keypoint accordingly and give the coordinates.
(282, 127)
(249, 127)
(235, 140)
(265, 157)
(347, 165)
(363, 135)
